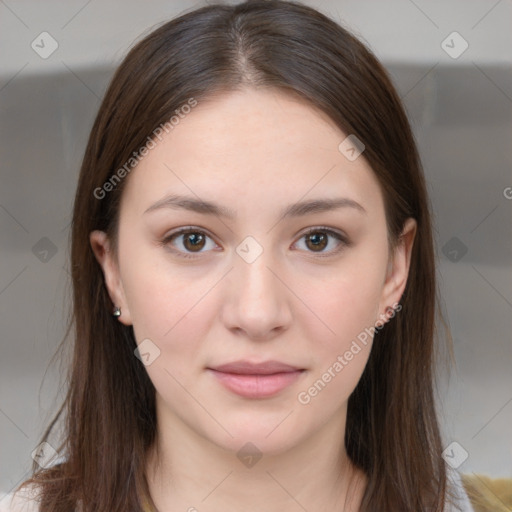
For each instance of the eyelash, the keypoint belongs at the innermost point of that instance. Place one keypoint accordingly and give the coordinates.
(344, 242)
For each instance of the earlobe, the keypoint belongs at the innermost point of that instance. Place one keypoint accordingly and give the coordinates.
(100, 245)
(398, 267)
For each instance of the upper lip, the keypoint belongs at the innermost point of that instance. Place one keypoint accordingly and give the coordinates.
(247, 368)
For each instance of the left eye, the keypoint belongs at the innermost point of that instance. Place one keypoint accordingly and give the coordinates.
(317, 239)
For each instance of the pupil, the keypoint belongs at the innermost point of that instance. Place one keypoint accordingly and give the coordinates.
(318, 240)
(194, 239)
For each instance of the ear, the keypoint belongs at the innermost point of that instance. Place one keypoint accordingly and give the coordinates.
(100, 244)
(398, 270)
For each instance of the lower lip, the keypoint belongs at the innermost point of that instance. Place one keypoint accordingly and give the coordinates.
(256, 386)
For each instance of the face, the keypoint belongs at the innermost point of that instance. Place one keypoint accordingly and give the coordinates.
(253, 278)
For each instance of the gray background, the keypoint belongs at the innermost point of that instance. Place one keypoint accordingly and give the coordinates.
(461, 112)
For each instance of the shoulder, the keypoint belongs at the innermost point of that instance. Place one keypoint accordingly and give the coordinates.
(488, 493)
(25, 500)
(457, 491)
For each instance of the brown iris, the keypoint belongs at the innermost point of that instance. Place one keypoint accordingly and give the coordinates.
(318, 239)
(193, 241)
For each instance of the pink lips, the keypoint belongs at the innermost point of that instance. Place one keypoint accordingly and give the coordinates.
(256, 380)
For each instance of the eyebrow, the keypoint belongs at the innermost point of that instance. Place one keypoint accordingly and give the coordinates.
(293, 210)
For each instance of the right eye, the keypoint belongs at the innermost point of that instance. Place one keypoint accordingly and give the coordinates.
(193, 240)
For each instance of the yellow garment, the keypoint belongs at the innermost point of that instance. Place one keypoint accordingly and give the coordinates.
(487, 494)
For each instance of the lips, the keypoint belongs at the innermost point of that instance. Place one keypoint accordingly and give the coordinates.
(248, 368)
(256, 380)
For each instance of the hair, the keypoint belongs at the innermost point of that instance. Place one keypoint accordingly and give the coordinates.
(392, 430)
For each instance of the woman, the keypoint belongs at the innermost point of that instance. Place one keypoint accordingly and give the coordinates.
(254, 281)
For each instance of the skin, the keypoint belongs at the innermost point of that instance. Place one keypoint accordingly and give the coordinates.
(253, 151)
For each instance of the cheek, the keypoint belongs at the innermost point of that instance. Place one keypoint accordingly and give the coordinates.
(346, 303)
(167, 304)
(172, 312)
(341, 352)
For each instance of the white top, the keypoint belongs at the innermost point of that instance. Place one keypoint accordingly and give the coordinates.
(458, 489)
(25, 500)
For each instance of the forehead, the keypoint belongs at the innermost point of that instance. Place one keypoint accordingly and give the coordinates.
(247, 146)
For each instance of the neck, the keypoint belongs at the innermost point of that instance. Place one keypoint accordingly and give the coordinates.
(188, 472)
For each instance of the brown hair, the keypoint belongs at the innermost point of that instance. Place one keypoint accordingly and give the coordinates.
(392, 431)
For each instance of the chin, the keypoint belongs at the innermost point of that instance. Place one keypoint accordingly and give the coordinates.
(267, 434)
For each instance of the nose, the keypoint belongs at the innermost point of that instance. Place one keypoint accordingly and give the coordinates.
(257, 303)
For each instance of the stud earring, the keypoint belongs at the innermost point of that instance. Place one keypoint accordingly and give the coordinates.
(117, 312)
